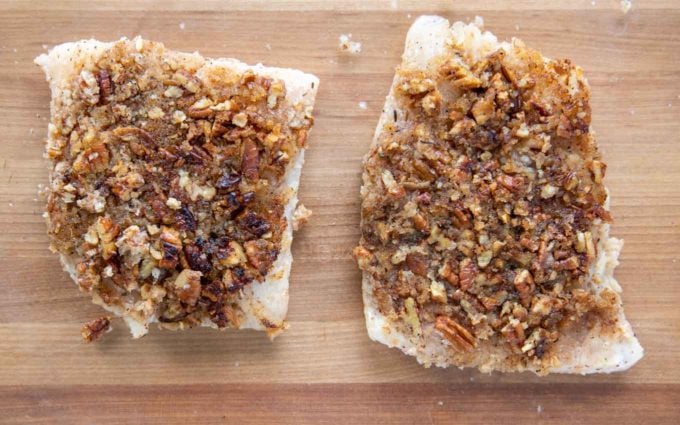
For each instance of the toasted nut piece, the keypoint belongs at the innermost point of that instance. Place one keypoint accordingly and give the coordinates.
(524, 283)
(417, 263)
(93, 160)
(170, 247)
(188, 286)
(459, 337)
(93, 330)
(261, 254)
(483, 110)
(438, 291)
(411, 316)
(107, 231)
(251, 161)
(235, 256)
(467, 274)
(363, 257)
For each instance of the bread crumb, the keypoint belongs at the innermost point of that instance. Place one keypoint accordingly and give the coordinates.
(539, 409)
(347, 45)
(478, 22)
(626, 5)
(301, 216)
(182, 25)
(440, 403)
(268, 46)
(363, 105)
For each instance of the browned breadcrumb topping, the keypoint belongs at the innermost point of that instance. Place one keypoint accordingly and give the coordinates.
(481, 204)
(165, 187)
(94, 329)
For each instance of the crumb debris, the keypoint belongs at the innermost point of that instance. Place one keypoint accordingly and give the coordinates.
(363, 105)
(516, 27)
(479, 22)
(626, 5)
(94, 329)
(182, 25)
(539, 409)
(268, 46)
(300, 216)
(347, 45)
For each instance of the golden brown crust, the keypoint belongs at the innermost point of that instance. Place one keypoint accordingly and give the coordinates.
(166, 186)
(481, 202)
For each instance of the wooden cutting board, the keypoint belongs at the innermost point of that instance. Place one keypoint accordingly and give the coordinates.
(325, 369)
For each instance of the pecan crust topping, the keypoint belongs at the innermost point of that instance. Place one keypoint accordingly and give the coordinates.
(482, 201)
(165, 183)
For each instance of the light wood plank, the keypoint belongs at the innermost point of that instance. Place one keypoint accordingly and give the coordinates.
(325, 369)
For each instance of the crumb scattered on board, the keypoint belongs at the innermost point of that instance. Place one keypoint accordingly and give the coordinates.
(626, 5)
(300, 216)
(182, 25)
(363, 105)
(93, 330)
(347, 45)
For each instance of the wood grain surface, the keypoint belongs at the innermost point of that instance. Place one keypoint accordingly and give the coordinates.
(325, 369)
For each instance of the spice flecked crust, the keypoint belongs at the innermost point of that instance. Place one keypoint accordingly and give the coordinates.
(484, 209)
(173, 181)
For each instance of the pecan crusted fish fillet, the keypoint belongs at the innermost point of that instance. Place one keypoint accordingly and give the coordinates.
(173, 182)
(485, 223)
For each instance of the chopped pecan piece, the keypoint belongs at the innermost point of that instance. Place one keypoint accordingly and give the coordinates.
(417, 263)
(524, 283)
(105, 85)
(468, 273)
(197, 259)
(93, 330)
(251, 161)
(170, 248)
(92, 160)
(188, 286)
(261, 254)
(185, 219)
(107, 231)
(460, 338)
(254, 224)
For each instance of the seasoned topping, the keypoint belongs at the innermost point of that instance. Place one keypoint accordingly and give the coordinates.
(482, 201)
(166, 180)
(93, 330)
